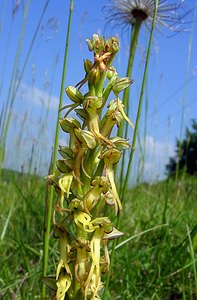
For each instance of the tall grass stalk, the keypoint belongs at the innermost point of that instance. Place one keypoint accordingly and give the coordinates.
(141, 161)
(49, 201)
(15, 82)
(9, 34)
(134, 140)
(145, 130)
(7, 221)
(192, 257)
(140, 102)
(138, 235)
(133, 45)
(185, 91)
(12, 84)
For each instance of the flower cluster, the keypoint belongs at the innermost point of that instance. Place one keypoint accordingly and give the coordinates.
(84, 178)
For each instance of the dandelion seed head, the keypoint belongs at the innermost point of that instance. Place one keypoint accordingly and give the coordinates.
(126, 13)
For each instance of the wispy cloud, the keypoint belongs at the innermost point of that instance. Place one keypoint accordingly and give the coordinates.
(158, 148)
(39, 97)
(157, 154)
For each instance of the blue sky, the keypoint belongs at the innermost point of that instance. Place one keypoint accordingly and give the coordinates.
(35, 107)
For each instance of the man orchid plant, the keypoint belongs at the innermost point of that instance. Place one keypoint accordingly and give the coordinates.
(84, 178)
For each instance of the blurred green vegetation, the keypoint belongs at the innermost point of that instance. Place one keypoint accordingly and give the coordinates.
(157, 264)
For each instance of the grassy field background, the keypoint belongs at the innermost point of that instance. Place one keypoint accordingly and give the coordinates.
(158, 261)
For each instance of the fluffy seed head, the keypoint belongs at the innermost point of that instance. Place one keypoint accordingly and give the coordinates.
(127, 12)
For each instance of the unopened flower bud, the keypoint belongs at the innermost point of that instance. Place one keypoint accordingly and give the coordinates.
(87, 65)
(111, 72)
(86, 138)
(93, 102)
(112, 45)
(121, 84)
(94, 76)
(115, 44)
(74, 94)
(121, 144)
(65, 152)
(68, 123)
(111, 156)
(64, 166)
(90, 45)
(98, 43)
(81, 113)
(95, 38)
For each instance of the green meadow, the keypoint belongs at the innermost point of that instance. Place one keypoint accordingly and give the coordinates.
(158, 260)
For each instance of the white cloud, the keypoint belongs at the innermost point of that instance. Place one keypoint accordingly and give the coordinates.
(157, 154)
(39, 97)
(159, 148)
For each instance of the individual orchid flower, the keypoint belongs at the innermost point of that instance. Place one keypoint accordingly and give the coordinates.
(111, 157)
(65, 183)
(91, 105)
(63, 284)
(63, 272)
(103, 224)
(99, 185)
(82, 260)
(64, 247)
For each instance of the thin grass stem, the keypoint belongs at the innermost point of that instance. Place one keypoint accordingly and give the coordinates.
(134, 140)
(48, 213)
(14, 89)
(10, 99)
(133, 45)
(145, 131)
(192, 256)
(185, 93)
(138, 235)
(140, 102)
(7, 221)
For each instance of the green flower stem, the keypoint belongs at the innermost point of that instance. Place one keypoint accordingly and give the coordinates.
(133, 143)
(48, 214)
(99, 86)
(140, 101)
(133, 45)
(143, 153)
